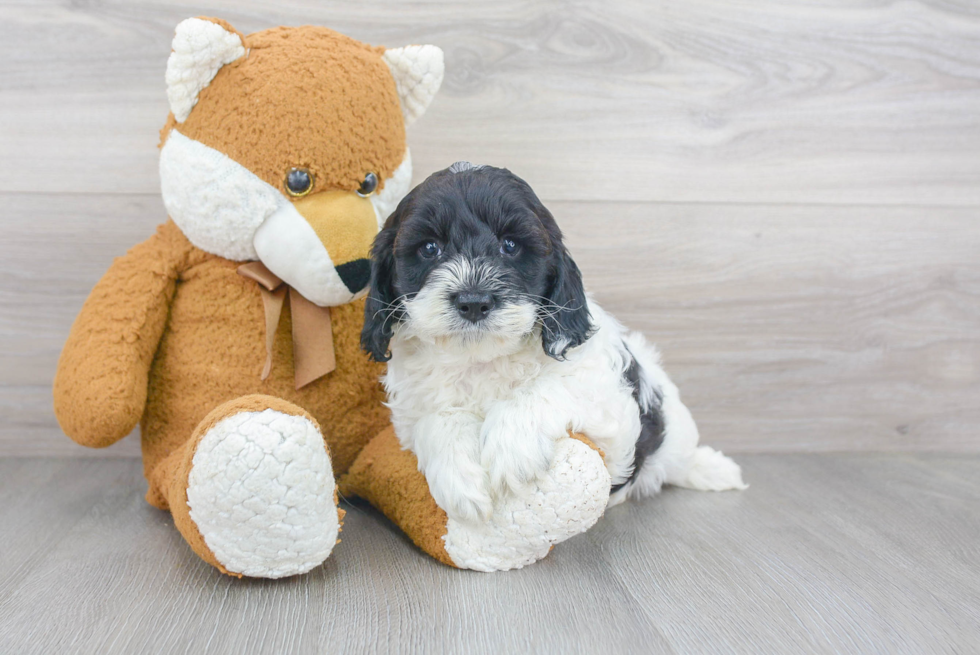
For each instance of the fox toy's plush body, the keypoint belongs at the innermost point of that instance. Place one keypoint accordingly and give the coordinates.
(231, 336)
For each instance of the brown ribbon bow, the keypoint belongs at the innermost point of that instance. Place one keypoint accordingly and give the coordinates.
(313, 353)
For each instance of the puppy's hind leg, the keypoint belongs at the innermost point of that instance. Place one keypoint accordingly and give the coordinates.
(692, 466)
(678, 460)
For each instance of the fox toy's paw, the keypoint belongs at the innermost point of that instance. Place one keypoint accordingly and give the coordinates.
(567, 500)
(255, 494)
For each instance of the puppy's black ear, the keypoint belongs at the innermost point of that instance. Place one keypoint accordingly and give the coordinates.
(565, 319)
(380, 314)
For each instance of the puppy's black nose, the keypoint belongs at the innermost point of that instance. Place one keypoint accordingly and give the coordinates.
(474, 307)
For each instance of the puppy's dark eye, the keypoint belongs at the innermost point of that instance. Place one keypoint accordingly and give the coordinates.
(430, 250)
(299, 181)
(368, 186)
(508, 247)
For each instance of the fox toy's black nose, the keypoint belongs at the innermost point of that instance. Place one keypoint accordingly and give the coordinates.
(474, 307)
(355, 274)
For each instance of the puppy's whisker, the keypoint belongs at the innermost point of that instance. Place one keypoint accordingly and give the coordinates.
(547, 313)
(390, 307)
(396, 301)
(548, 303)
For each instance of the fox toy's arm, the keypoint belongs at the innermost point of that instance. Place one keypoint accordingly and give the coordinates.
(523, 526)
(101, 383)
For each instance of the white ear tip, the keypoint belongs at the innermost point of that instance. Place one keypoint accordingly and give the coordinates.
(200, 49)
(418, 71)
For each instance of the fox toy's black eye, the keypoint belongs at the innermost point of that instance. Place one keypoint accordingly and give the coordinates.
(299, 181)
(430, 250)
(508, 247)
(368, 186)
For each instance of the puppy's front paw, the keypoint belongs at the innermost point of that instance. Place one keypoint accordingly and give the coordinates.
(512, 455)
(461, 493)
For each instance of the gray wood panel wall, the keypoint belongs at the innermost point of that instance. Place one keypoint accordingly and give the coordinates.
(784, 196)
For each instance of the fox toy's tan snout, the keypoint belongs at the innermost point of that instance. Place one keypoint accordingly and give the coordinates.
(346, 224)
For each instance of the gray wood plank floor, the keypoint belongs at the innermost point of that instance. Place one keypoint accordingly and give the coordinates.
(824, 553)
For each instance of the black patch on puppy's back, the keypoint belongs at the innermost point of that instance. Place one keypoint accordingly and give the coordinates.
(651, 424)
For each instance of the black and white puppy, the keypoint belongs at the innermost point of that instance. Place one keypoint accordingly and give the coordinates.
(494, 351)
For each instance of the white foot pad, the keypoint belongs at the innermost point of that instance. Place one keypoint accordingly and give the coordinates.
(523, 529)
(261, 492)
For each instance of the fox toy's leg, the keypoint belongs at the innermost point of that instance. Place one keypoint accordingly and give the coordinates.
(252, 491)
(521, 530)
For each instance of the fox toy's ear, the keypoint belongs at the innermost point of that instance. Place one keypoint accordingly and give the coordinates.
(201, 47)
(418, 71)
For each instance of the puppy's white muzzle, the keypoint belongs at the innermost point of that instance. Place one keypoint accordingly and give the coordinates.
(469, 300)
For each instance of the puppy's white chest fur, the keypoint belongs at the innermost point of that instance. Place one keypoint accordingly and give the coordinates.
(504, 404)
(428, 379)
